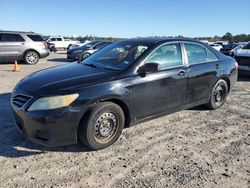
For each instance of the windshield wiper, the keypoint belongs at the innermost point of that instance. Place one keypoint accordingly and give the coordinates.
(100, 66)
(91, 65)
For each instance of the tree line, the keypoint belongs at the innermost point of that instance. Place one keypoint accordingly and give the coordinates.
(227, 37)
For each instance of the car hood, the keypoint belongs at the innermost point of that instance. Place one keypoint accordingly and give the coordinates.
(60, 79)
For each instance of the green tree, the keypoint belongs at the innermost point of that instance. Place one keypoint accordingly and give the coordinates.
(228, 36)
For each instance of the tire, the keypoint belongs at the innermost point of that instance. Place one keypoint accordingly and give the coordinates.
(102, 127)
(218, 95)
(69, 46)
(84, 56)
(31, 57)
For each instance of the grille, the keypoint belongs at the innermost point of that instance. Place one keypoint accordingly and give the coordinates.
(19, 100)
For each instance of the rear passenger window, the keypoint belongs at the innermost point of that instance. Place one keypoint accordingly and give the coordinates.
(12, 38)
(167, 56)
(36, 38)
(197, 54)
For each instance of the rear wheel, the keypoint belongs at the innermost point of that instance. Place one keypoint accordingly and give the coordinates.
(219, 95)
(103, 126)
(31, 57)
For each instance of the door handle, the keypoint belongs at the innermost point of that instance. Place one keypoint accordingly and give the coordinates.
(217, 66)
(181, 73)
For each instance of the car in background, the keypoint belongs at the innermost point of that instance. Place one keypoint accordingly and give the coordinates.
(51, 47)
(61, 42)
(82, 43)
(242, 56)
(121, 85)
(228, 49)
(93, 49)
(86, 50)
(27, 46)
(216, 46)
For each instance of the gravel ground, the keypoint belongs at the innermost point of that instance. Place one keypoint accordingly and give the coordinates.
(191, 148)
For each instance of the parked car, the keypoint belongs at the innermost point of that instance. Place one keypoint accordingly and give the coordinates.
(120, 85)
(228, 49)
(82, 43)
(242, 56)
(61, 42)
(51, 47)
(86, 53)
(86, 50)
(27, 46)
(216, 46)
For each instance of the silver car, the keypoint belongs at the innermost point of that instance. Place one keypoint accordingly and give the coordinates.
(86, 50)
(27, 46)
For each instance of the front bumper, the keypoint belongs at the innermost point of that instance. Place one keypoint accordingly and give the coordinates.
(72, 56)
(55, 127)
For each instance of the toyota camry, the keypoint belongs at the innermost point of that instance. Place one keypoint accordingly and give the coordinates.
(121, 85)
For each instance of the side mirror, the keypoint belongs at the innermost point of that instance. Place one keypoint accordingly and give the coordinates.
(149, 68)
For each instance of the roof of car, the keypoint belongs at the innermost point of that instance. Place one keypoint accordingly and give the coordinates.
(155, 40)
(19, 32)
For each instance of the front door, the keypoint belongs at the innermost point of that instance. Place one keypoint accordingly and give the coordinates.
(162, 91)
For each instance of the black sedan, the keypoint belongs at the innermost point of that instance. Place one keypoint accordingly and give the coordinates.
(119, 86)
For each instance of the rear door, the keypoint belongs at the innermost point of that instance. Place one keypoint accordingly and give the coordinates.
(13, 44)
(203, 68)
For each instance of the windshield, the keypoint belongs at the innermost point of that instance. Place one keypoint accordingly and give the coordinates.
(117, 56)
(247, 46)
(90, 44)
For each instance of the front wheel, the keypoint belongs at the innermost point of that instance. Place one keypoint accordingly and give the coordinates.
(84, 56)
(31, 57)
(218, 95)
(69, 46)
(103, 126)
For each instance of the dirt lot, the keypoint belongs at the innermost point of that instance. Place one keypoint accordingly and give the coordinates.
(192, 148)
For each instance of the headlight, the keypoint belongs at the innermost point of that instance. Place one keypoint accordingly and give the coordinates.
(47, 103)
(77, 51)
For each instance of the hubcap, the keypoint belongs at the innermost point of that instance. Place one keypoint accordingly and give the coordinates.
(32, 57)
(219, 94)
(85, 56)
(105, 126)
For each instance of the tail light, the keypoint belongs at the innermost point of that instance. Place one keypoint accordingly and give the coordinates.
(43, 45)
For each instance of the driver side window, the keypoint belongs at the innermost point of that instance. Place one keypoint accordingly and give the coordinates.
(167, 56)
